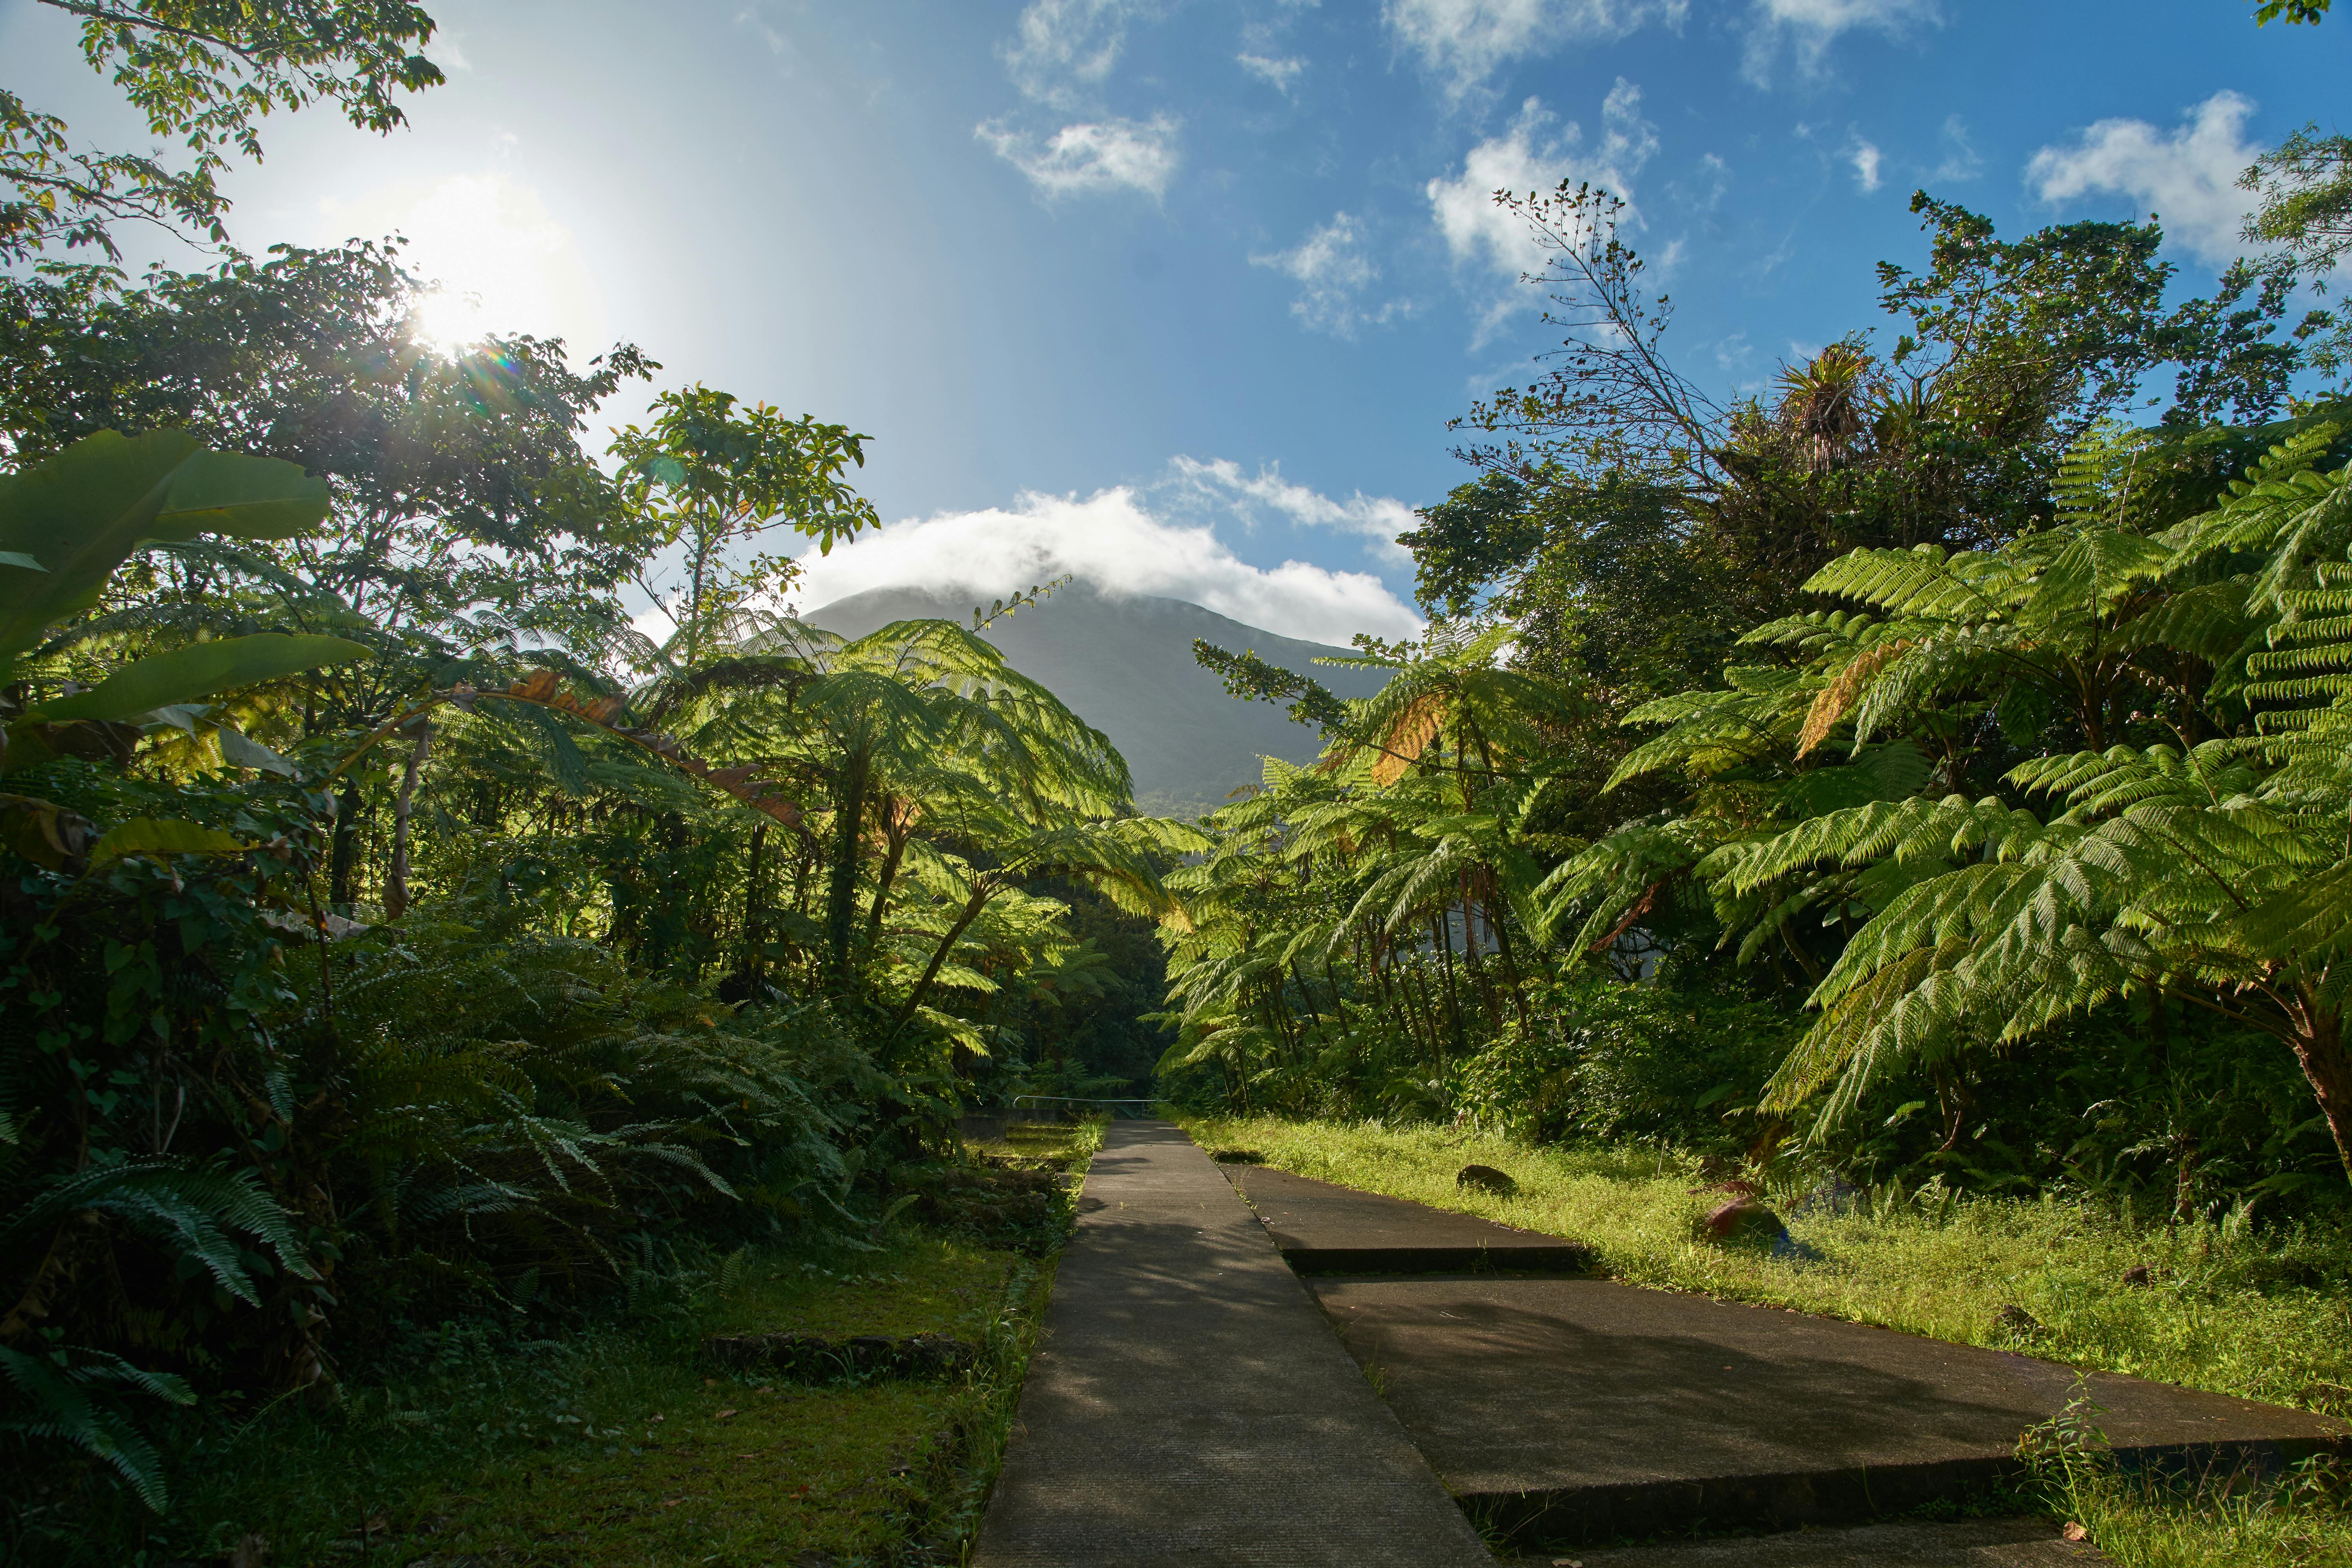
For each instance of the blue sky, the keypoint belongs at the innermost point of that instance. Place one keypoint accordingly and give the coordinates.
(1181, 293)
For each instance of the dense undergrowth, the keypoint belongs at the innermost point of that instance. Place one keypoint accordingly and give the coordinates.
(427, 996)
(603, 1434)
(302, 1046)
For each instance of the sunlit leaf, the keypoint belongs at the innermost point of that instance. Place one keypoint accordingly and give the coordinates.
(163, 835)
(199, 669)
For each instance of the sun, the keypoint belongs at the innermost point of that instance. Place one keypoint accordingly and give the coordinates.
(494, 262)
(449, 322)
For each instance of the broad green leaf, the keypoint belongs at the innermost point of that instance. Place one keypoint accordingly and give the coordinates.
(18, 558)
(240, 495)
(198, 669)
(162, 835)
(182, 716)
(240, 752)
(80, 514)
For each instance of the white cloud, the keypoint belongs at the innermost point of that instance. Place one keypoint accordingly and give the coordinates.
(1276, 71)
(1333, 272)
(1960, 159)
(2188, 177)
(777, 45)
(1086, 159)
(1112, 540)
(1808, 27)
(1463, 42)
(449, 47)
(1710, 183)
(1377, 520)
(1061, 49)
(1865, 158)
(1529, 157)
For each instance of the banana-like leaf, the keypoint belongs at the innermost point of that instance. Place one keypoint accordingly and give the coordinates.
(162, 835)
(199, 669)
(240, 496)
(240, 751)
(80, 514)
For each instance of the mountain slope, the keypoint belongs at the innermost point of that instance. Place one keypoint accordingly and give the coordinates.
(1125, 666)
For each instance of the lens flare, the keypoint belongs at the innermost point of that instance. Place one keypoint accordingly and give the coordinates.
(494, 260)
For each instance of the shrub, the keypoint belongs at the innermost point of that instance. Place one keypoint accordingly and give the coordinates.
(1596, 1058)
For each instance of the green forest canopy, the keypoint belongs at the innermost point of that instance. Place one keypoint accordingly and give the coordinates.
(1931, 766)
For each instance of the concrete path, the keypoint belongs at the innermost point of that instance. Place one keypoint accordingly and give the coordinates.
(1322, 1228)
(1960, 1543)
(1189, 1405)
(1583, 1409)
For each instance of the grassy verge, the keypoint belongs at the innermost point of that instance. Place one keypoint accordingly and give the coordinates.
(2263, 1312)
(619, 1444)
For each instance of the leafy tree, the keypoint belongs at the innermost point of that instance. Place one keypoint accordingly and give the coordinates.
(2196, 871)
(461, 488)
(920, 720)
(68, 523)
(2013, 349)
(706, 478)
(2304, 187)
(2029, 716)
(65, 526)
(468, 517)
(205, 73)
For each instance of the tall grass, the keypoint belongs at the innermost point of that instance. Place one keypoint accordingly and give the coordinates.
(2232, 1306)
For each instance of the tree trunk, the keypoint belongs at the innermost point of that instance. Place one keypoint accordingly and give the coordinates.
(1413, 980)
(1443, 926)
(754, 951)
(342, 862)
(841, 892)
(973, 906)
(1512, 979)
(395, 880)
(2320, 1046)
(1480, 981)
(886, 876)
(1306, 990)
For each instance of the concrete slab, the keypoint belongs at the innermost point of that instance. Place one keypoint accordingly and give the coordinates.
(1321, 1229)
(1960, 1543)
(1586, 1410)
(1189, 1405)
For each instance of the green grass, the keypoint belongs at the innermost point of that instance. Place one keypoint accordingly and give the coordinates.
(2242, 1525)
(2227, 1307)
(619, 1444)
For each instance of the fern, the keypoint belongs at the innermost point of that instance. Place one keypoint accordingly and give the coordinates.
(65, 1396)
(190, 1209)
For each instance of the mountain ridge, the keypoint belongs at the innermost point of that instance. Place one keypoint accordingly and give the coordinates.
(1124, 664)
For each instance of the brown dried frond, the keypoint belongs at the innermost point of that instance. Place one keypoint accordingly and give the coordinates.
(1838, 696)
(1408, 738)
